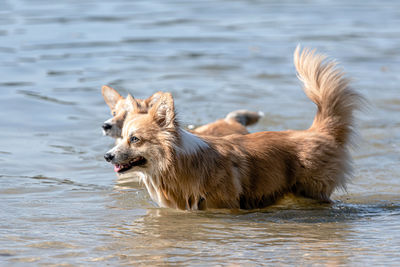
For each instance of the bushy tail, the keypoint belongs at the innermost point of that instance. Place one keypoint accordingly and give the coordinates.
(329, 89)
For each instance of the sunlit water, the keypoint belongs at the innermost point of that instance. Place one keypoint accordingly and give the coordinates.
(60, 202)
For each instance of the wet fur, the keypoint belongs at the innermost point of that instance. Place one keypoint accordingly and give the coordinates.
(186, 171)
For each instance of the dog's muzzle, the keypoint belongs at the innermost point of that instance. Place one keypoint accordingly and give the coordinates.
(109, 156)
(106, 126)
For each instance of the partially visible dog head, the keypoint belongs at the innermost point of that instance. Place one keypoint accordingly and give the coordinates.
(119, 107)
(112, 127)
(147, 138)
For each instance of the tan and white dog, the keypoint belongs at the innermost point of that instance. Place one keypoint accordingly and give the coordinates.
(234, 123)
(185, 171)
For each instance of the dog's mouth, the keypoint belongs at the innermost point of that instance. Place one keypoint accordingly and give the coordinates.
(138, 161)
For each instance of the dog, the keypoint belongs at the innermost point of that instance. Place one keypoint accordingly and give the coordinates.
(234, 123)
(189, 172)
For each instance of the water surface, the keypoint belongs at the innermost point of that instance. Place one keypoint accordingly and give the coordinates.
(61, 203)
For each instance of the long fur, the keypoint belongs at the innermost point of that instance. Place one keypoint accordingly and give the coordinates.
(326, 85)
(253, 170)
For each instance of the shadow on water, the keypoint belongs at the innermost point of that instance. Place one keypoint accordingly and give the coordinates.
(303, 212)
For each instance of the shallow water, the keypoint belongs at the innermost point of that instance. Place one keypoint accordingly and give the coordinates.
(61, 203)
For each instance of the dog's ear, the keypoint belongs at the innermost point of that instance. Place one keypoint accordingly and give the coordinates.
(131, 104)
(153, 99)
(163, 111)
(111, 96)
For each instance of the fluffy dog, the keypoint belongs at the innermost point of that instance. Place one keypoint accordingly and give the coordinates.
(184, 171)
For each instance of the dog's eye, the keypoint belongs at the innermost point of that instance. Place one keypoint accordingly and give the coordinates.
(134, 139)
(114, 113)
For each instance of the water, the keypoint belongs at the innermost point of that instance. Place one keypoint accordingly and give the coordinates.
(61, 203)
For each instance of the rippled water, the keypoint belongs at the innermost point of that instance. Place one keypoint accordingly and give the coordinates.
(60, 202)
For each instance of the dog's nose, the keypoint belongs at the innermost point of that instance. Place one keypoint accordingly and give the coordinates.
(106, 126)
(109, 157)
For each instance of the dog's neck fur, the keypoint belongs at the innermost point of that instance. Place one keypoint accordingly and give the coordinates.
(182, 183)
(190, 144)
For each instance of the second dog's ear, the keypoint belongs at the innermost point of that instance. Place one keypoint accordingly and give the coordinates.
(111, 96)
(131, 104)
(163, 111)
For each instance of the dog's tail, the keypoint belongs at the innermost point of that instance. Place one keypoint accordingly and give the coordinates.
(329, 89)
(244, 117)
(325, 153)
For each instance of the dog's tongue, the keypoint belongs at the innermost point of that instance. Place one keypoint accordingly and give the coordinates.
(117, 167)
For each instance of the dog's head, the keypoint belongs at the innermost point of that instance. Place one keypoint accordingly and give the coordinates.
(147, 138)
(113, 126)
(119, 107)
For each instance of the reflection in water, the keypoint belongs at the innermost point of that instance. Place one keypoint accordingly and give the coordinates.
(212, 238)
(308, 232)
